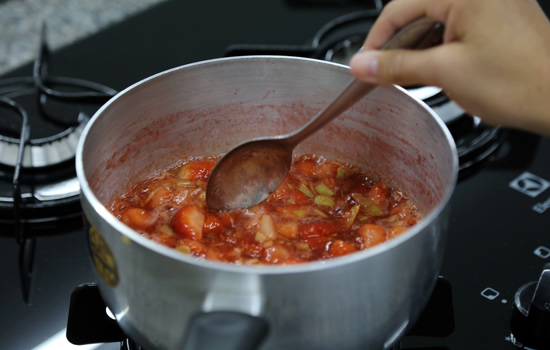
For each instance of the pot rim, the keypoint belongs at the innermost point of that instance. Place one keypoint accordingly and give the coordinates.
(263, 269)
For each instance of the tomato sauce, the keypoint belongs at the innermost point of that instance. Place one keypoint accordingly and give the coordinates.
(323, 209)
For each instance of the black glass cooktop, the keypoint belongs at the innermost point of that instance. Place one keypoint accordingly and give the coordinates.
(498, 238)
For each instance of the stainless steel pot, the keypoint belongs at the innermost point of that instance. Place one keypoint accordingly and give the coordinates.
(161, 297)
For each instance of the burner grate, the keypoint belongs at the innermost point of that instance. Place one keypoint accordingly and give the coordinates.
(39, 192)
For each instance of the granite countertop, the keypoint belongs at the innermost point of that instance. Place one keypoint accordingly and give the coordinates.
(67, 21)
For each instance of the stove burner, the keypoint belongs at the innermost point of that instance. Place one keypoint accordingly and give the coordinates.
(57, 130)
(477, 144)
(44, 151)
(58, 110)
(438, 101)
(330, 37)
(39, 191)
(342, 52)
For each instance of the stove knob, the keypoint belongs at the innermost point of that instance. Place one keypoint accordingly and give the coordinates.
(530, 322)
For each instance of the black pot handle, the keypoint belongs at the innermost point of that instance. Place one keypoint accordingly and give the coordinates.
(226, 330)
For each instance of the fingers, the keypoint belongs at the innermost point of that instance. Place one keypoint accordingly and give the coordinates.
(399, 13)
(403, 67)
(537, 7)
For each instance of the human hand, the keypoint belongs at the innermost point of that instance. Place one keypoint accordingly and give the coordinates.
(494, 62)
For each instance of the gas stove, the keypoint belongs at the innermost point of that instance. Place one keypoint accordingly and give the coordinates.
(500, 210)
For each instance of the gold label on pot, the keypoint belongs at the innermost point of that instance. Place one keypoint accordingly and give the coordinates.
(103, 258)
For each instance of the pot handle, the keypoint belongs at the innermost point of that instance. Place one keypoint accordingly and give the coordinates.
(225, 330)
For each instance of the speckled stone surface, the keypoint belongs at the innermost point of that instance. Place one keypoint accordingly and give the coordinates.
(67, 21)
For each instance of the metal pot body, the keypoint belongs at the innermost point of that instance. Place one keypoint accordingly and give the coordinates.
(364, 300)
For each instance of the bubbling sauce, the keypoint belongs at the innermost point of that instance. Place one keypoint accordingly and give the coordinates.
(323, 209)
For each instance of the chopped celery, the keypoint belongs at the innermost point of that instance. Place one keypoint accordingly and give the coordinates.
(368, 206)
(341, 173)
(291, 186)
(306, 191)
(323, 189)
(393, 218)
(374, 210)
(292, 200)
(324, 200)
(152, 194)
(320, 213)
(302, 246)
(184, 183)
(351, 214)
(363, 218)
(300, 212)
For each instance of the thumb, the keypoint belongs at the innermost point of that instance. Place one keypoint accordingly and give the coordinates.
(402, 67)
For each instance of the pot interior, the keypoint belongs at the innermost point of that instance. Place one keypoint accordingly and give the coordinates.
(207, 108)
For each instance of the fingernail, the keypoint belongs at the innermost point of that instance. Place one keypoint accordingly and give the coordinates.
(365, 64)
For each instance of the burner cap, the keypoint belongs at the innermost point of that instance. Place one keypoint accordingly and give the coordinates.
(477, 143)
(44, 152)
(53, 140)
(48, 186)
(344, 50)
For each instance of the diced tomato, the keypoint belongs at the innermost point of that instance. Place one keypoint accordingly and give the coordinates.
(137, 218)
(287, 228)
(227, 219)
(308, 167)
(372, 235)
(164, 239)
(299, 197)
(339, 248)
(159, 196)
(188, 222)
(292, 211)
(323, 209)
(283, 194)
(396, 231)
(280, 193)
(379, 194)
(213, 223)
(404, 213)
(253, 250)
(213, 254)
(197, 170)
(328, 169)
(182, 195)
(317, 243)
(189, 246)
(317, 229)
